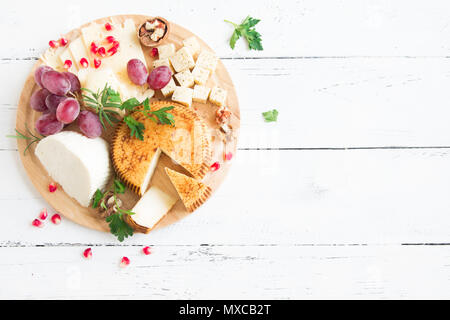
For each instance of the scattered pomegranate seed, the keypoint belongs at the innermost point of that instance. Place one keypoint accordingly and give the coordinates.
(124, 262)
(101, 51)
(56, 218)
(87, 253)
(94, 48)
(67, 64)
(110, 39)
(53, 44)
(63, 42)
(52, 187)
(108, 26)
(84, 63)
(115, 44)
(215, 166)
(97, 63)
(112, 51)
(43, 214)
(228, 156)
(154, 52)
(37, 223)
(146, 251)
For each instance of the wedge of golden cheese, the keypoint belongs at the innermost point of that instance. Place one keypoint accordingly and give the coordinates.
(188, 143)
(193, 193)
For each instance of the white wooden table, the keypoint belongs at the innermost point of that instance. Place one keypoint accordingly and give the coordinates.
(346, 196)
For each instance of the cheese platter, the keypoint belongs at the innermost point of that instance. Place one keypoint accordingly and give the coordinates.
(133, 118)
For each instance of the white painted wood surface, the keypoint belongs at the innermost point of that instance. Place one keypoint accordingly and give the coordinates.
(346, 196)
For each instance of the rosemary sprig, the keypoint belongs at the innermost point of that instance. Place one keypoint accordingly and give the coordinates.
(32, 138)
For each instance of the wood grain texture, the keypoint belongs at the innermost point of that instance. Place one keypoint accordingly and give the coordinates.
(88, 217)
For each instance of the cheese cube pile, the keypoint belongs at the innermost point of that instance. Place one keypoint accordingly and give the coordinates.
(218, 96)
(182, 60)
(163, 62)
(183, 95)
(201, 93)
(185, 78)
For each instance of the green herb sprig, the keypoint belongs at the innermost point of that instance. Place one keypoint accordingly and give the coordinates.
(31, 138)
(102, 102)
(246, 29)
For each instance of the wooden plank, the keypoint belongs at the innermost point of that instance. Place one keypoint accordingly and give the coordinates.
(281, 197)
(246, 272)
(323, 103)
(293, 28)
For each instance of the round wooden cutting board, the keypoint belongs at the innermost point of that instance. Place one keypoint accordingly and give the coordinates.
(89, 217)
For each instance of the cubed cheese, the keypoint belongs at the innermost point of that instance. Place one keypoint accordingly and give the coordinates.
(207, 60)
(200, 74)
(162, 62)
(185, 78)
(218, 96)
(192, 44)
(183, 95)
(169, 88)
(182, 60)
(201, 93)
(166, 50)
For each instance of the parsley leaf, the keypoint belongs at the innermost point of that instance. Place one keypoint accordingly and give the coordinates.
(246, 29)
(119, 227)
(163, 116)
(119, 188)
(270, 116)
(137, 128)
(98, 196)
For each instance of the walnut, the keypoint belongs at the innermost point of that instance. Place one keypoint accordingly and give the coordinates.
(111, 206)
(223, 115)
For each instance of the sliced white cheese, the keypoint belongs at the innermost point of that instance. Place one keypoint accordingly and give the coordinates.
(78, 51)
(152, 207)
(79, 164)
(67, 55)
(150, 170)
(51, 58)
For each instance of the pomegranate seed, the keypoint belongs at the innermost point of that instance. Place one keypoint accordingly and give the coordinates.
(37, 223)
(84, 63)
(110, 39)
(63, 42)
(43, 214)
(154, 52)
(228, 156)
(56, 218)
(94, 48)
(215, 166)
(108, 26)
(87, 253)
(97, 63)
(112, 51)
(115, 44)
(124, 262)
(102, 51)
(146, 250)
(67, 64)
(52, 187)
(53, 44)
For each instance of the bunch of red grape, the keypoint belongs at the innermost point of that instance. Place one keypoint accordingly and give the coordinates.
(56, 100)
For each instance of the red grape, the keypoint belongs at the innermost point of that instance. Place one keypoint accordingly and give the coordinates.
(55, 82)
(75, 85)
(89, 124)
(39, 72)
(47, 124)
(137, 72)
(68, 110)
(52, 102)
(37, 100)
(159, 77)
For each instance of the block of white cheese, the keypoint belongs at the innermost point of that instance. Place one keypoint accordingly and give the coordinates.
(152, 207)
(79, 164)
